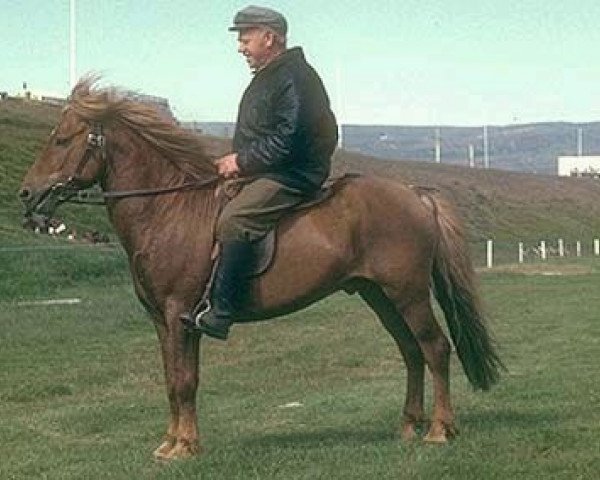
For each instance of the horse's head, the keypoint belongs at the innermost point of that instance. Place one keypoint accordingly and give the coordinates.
(73, 159)
(75, 156)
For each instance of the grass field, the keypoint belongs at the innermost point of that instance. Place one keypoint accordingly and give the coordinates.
(82, 394)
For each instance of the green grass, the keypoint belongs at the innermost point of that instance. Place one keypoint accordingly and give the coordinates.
(82, 393)
(61, 265)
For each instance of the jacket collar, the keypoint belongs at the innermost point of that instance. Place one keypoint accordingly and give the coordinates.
(291, 55)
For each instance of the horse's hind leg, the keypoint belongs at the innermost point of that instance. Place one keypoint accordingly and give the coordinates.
(436, 351)
(385, 309)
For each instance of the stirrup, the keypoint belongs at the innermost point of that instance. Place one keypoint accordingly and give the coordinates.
(201, 309)
(192, 321)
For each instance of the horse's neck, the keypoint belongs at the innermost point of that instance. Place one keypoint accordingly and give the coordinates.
(134, 166)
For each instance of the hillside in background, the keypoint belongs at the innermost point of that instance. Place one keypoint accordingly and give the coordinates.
(506, 206)
(531, 148)
(496, 204)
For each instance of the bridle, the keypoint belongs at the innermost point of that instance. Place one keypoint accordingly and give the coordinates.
(96, 143)
(70, 190)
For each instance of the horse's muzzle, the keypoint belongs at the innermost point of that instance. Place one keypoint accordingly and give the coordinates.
(39, 206)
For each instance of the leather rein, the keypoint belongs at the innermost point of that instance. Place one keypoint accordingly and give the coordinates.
(96, 144)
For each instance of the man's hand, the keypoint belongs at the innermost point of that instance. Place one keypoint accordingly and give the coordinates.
(227, 166)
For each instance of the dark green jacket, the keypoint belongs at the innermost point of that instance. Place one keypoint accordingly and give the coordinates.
(285, 128)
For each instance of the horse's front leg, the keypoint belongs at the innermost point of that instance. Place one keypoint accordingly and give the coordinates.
(180, 352)
(170, 439)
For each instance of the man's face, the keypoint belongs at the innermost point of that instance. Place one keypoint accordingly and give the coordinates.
(255, 44)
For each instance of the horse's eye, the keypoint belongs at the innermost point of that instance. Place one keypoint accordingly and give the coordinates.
(62, 141)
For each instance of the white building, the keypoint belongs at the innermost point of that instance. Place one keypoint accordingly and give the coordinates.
(579, 166)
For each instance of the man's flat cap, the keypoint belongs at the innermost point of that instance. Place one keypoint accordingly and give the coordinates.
(253, 16)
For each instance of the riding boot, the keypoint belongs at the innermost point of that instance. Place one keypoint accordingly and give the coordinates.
(228, 292)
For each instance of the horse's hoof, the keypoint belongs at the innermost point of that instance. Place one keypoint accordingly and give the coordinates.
(184, 449)
(411, 431)
(408, 433)
(412, 428)
(438, 438)
(440, 433)
(162, 452)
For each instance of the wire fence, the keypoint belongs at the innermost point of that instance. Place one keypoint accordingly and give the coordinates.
(492, 253)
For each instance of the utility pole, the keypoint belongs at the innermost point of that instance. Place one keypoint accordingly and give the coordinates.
(73, 51)
(438, 146)
(486, 155)
(338, 81)
(579, 142)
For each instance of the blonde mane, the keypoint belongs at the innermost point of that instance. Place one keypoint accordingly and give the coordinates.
(190, 152)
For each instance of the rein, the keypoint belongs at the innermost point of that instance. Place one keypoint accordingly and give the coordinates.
(86, 196)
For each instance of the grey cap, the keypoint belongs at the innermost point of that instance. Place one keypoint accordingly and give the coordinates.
(253, 16)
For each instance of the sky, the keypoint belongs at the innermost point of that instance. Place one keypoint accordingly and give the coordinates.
(390, 62)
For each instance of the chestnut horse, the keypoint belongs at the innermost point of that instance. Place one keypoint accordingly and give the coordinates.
(390, 243)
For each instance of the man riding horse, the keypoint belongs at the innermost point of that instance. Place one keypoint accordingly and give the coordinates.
(284, 138)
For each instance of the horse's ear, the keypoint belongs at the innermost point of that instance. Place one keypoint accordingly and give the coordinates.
(215, 147)
(85, 85)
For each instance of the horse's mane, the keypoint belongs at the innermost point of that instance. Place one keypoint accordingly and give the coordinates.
(190, 152)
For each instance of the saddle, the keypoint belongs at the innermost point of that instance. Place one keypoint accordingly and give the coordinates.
(265, 247)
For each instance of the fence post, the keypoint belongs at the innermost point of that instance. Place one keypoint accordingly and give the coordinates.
(490, 253)
(521, 252)
(578, 248)
(543, 249)
(596, 247)
(561, 247)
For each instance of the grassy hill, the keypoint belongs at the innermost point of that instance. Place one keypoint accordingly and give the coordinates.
(498, 204)
(506, 206)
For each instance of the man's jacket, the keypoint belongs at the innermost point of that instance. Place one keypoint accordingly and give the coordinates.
(285, 128)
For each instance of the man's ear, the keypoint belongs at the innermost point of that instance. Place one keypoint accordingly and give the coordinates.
(269, 38)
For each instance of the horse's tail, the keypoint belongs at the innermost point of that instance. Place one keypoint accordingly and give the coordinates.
(456, 291)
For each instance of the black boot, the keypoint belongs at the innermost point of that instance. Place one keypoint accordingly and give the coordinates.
(228, 291)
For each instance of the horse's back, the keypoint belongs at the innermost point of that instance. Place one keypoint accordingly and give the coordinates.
(382, 204)
(367, 219)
